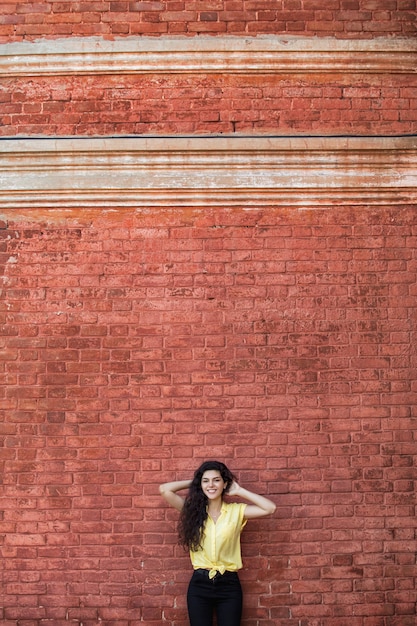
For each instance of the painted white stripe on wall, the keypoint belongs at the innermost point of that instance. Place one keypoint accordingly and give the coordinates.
(207, 171)
(263, 54)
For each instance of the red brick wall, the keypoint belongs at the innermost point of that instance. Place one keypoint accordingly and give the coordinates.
(104, 105)
(135, 344)
(342, 18)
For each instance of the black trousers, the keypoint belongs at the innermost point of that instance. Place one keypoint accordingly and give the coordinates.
(221, 595)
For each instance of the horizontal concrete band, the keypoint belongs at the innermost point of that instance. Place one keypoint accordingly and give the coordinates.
(207, 171)
(263, 54)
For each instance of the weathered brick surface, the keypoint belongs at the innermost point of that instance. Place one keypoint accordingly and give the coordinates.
(104, 105)
(133, 345)
(341, 18)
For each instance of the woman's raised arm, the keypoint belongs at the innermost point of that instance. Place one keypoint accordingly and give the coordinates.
(169, 492)
(259, 506)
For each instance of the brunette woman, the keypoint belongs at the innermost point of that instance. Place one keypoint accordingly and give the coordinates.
(210, 529)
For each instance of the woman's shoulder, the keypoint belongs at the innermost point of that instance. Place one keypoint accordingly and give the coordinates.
(234, 508)
(233, 505)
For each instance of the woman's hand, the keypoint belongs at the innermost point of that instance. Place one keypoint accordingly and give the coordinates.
(234, 489)
(259, 505)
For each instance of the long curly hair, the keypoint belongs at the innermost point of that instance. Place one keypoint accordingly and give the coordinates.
(194, 512)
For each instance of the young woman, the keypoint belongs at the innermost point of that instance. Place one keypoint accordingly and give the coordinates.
(210, 528)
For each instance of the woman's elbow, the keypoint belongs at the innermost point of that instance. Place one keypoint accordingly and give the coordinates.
(271, 508)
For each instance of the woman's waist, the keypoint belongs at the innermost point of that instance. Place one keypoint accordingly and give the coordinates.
(214, 573)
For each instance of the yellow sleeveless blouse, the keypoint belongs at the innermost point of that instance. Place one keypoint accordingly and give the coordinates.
(220, 550)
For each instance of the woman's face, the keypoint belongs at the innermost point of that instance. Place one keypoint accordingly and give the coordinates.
(213, 484)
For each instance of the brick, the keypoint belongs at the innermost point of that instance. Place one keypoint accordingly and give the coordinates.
(63, 18)
(283, 106)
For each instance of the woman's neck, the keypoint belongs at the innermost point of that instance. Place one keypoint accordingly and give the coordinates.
(215, 508)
